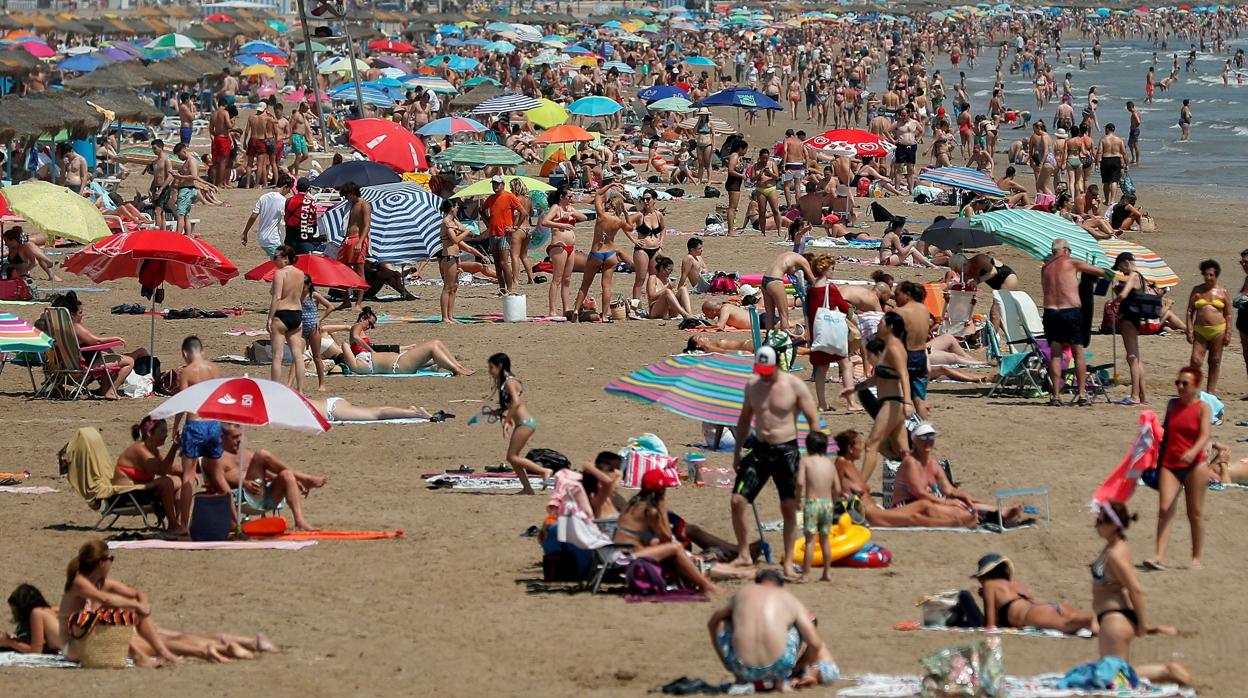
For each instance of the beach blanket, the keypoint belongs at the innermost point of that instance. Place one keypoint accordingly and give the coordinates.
(1012, 632)
(157, 544)
(8, 489)
(835, 244)
(1042, 686)
(479, 481)
(247, 332)
(409, 420)
(464, 319)
(75, 289)
(14, 478)
(39, 661)
(982, 528)
(422, 373)
(313, 536)
(1221, 486)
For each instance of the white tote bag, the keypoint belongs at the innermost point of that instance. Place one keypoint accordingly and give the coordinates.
(829, 332)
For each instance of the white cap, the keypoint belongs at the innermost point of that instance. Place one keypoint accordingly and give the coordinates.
(922, 429)
(747, 290)
(498, 179)
(261, 107)
(765, 361)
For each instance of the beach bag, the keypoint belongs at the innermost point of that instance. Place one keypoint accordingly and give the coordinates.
(549, 458)
(937, 610)
(829, 332)
(1127, 184)
(137, 385)
(971, 671)
(786, 350)
(103, 637)
(722, 283)
(644, 577)
(1142, 305)
(1148, 225)
(637, 463)
(14, 290)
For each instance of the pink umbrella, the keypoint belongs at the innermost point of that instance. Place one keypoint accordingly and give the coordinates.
(1120, 484)
(37, 49)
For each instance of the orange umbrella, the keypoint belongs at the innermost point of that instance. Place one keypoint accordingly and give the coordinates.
(549, 166)
(567, 133)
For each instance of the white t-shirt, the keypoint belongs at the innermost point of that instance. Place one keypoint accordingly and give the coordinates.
(270, 213)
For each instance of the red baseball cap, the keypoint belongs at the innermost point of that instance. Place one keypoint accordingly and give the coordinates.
(765, 361)
(654, 481)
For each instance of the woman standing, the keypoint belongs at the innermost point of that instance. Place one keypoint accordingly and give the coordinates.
(887, 352)
(1185, 121)
(1043, 163)
(824, 294)
(453, 235)
(1118, 599)
(765, 178)
(651, 231)
(561, 219)
(704, 136)
(1129, 321)
(285, 314)
(1241, 302)
(515, 414)
(735, 180)
(1208, 318)
(523, 230)
(602, 253)
(1182, 466)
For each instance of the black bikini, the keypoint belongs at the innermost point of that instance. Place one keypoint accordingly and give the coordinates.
(292, 319)
(645, 231)
(1099, 577)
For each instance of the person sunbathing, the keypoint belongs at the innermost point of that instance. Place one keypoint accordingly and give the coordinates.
(726, 315)
(141, 463)
(718, 344)
(1008, 604)
(410, 361)
(643, 524)
(666, 299)
(267, 482)
(922, 514)
(945, 350)
(24, 255)
(921, 478)
(894, 254)
(339, 409)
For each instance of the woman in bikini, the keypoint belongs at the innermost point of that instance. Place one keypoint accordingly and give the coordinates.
(704, 137)
(942, 144)
(453, 234)
(142, 463)
(561, 219)
(795, 95)
(892, 403)
(1182, 465)
(339, 409)
(766, 177)
(515, 416)
(1129, 324)
(411, 359)
(602, 252)
(1209, 321)
(523, 230)
(664, 300)
(1118, 598)
(643, 524)
(736, 180)
(1076, 148)
(651, 231)
(1007, 603)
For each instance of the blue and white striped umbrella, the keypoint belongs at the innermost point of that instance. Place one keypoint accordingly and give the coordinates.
(372, 95)
(506, 103)
(624, 68)
(406, 223)
(963, 178)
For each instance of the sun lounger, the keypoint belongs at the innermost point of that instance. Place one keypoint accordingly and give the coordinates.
(67, 371)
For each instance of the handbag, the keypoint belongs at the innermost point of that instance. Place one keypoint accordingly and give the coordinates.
(14, 290)
(1127, 184)
(1148, 225)
(103, 637)
(1141, 304)
(829, 331)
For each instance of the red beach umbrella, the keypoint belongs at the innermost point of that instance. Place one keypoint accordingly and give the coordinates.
(388, 143)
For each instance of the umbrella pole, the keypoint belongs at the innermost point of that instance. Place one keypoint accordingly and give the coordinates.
(313, 84)
(764, 546)
(151, 340)
(242, 477)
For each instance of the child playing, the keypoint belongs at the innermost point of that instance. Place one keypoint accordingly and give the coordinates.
(818, 486)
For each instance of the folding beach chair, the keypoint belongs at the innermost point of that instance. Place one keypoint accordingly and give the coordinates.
(67, 371)
(1021, 368)
(90, 471)
(959, 315)
(1033, 328)
(29, 359)
(596, 537)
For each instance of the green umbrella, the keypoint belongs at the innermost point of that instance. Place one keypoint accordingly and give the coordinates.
(479, 154)
(676, 104)
(317, 47)
(277, 26)
(1033, 232)
(173, 41)
(485, 187)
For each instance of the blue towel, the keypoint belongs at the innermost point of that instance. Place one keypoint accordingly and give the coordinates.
(1107, 674)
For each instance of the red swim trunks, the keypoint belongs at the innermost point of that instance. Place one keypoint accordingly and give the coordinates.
(255, 146)
(222, 146)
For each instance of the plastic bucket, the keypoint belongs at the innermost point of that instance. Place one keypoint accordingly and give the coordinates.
(515, 307)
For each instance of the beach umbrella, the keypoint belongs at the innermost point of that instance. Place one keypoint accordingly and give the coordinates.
(388, 143)
(1147, 262)
(594, 106)
(322, 270)
(79, 50)
(372, 95)
(853, 142)
(740, 97)
(406, 223)
(498, 27)
(500, 47)
(57, 211)
(449, 29)
(567, 133)
(657, 92)
(480, 154)
(576, 49)
(342, 65)
(273, 59)
(957, 234)
(585, 61)
(718, 125)
(548, 115)
(247, 59)
(485, 187)
(478, 42)
(277, 26)
(623, 68)
(676, 104)
(506, 103)
(18, 335)
(700, 60)
(261, 47)
(174, 41)
(257, 69)
(481, 80)
(431, 83)
(1033, 232)
(85, 63)
(316, 46)
(219, 17)
(390, 46)
(451, 125)
(362, 172)
(963, 178)
(35, 48)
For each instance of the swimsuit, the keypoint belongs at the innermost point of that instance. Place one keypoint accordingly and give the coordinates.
(603, 256)
(768, 461)
(330, 402)
(201, 438)
(771, 279)
(818, 515)
(184, 134)
(137, 476)
(916, 365)
(309, 316)
(1064, 326)
(777, 671)
(504, 402)
(1209, 332)
(997, 281)
(290, 319)
(1101, 576)
(365, 357)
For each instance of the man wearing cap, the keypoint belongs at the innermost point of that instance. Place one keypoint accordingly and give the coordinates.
(257, 155)
(499, 211)
(773, 399)
(1063, 316)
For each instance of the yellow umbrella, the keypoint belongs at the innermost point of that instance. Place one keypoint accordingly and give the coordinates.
(584, 60)
(467, 25)
(548, 115)
(57, 211)
(258, 69)
(484, 187)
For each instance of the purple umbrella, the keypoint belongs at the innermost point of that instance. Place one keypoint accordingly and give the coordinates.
(117, 54)
(393, 62)
(130, 49)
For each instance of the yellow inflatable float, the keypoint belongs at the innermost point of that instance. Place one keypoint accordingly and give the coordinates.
(844, 540)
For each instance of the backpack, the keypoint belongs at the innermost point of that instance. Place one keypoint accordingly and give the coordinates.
(722, 283)
(644, 577)
(549, 458)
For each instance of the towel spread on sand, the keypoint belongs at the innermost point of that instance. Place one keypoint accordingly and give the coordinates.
(1013, 632)
(1042, 686)
(1219, 486)
(313, 536)
(422, 373)
(982, 528)
(38, 661)
(409, 420)
(478, 482)
(157, 544)
(7, 489)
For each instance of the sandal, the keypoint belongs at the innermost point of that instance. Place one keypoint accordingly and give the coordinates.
(500, 468)
(1153, 566)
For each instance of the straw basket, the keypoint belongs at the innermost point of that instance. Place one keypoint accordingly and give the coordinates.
(106, 646)
(619, 311)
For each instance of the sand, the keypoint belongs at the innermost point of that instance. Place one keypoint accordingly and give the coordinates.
(455, 609)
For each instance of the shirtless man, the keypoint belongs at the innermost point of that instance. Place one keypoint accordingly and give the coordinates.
(611, 90)
(1063, 316)
(268, 481)
(354, 249)
(1133, 135)
(793, 161)
(281, 136)
(1113, 155)
(580, 83)
(758, 633)
(285, 314)
(219, 127)
(918, 319)
(905, 133)
(775, 299)
(229, 87)
(300, 137)
(255, 135)
(186, 183)
(773, 400)
(162, 183)
(693, 268)
(186, 118)
(74, 172)
(726, 315)
(201, 438)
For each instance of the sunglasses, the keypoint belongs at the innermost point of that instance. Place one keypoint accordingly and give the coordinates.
(647, 198)
(110, 558)
(925, 437)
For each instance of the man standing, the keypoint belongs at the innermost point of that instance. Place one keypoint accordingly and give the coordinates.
(1063, 315)
(254, 140)
(186, 180)
(354, 249)
(1113, 156)
(162, 184)
(219, 127)
(1133, 135)
(300, 138)
(74, 172)
(201, 438)
(300, 218)
(186, 118)
(229, 86)
(905, 133)
(773, 400)
(500, 211)
(794, 167)
(909, 297)
(270, 211)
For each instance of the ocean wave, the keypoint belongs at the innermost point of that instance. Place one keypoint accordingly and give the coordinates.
(1240, 131)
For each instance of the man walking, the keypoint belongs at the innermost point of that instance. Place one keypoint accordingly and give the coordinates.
(1063, 316)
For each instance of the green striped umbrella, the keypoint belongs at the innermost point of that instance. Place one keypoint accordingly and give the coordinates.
(174, 41)
(479, 154)
(1033, 232)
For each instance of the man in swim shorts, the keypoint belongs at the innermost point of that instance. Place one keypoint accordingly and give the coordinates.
(1063, 316)
(909, 297)
(186, 118)
(759, 618)
(219, 127)
(773, 401)
(1113, 156)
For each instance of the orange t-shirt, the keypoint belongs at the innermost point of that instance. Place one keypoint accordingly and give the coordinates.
(502, 208)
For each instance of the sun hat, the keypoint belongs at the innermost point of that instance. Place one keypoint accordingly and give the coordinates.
(765, 361)
(704, 112)
(992, 561)
(498, 179)
(747, 290)
(922, 429)
(1061, 133)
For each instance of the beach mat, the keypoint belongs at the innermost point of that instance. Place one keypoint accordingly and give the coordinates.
(478, 481)
(422, 373)
(982, 528)
(1041, 686)
(158, 544)
(9, 489)
(18, 660)
(408, 420)
(313, 536)
(1085, 634)
(1222, 486)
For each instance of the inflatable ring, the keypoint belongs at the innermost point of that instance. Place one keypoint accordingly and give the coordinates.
(871, 555)
(844, 540)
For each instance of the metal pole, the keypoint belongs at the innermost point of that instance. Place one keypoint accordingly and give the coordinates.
(355, 76)
(312, 76)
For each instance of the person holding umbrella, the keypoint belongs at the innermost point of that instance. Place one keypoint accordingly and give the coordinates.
(285, 320)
